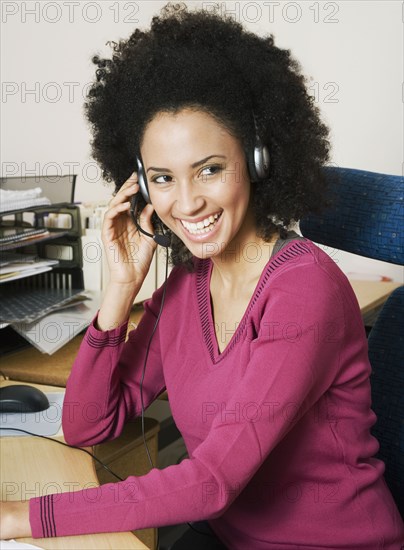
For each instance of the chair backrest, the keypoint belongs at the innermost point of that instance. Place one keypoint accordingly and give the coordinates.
(366, 218)
(386, 354)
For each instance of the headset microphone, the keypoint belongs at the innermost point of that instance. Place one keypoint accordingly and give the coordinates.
(162, 240)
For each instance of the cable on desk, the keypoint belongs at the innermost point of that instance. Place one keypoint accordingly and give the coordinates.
(74, 447)
(142, 411)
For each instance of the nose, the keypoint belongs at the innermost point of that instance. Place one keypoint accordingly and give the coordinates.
(188, 200)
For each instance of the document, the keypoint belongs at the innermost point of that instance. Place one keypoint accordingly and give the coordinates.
(16, 545)
(53, 331)
(18, 270)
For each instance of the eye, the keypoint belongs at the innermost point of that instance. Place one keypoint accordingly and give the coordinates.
(162, 179)
(211, 170)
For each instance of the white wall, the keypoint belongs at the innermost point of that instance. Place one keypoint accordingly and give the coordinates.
(351, 52)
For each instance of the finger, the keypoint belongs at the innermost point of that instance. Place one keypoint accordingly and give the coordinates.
(145, 217)
(130, 181)
(124, 194)
(133, 178)
(129, 191)
(116, 210)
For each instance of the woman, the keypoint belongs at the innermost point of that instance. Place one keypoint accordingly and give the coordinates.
(259, 342)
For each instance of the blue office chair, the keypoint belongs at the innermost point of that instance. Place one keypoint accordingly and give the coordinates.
(366, 218)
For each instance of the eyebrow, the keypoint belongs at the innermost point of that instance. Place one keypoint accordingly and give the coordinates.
(194, 165)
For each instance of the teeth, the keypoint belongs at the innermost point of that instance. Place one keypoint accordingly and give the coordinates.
(201, 227)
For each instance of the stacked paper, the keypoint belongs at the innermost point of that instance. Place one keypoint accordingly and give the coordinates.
(12, 270)
(16, 200)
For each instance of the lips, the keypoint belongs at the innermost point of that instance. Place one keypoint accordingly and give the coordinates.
(203, 226)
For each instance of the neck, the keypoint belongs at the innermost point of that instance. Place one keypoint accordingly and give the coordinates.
(242, 263)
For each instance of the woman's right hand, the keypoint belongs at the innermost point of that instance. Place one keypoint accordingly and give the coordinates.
(128, 252)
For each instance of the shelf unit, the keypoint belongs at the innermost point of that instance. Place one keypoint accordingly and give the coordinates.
(56, 285)
(60, 244)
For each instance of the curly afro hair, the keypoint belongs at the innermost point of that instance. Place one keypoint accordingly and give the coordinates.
(207, 61)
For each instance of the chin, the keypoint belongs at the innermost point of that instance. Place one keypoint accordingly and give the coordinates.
(204, 250)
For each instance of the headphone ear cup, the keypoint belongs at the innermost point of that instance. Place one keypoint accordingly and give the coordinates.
(251, 166)
(142, 181)
(258, 161)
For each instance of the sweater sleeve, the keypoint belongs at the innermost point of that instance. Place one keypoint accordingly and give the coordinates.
(294, 359)
(103, 389)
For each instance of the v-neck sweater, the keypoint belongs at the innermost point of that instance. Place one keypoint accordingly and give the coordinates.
(277, 426)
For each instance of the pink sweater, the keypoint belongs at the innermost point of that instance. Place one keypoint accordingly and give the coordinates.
(276, 426)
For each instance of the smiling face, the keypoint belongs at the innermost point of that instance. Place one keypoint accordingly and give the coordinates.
(198, 181)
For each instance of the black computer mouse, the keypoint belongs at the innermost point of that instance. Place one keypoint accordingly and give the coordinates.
(19, 398)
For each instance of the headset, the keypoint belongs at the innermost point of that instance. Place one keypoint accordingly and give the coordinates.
(258, 168)
(160, 238)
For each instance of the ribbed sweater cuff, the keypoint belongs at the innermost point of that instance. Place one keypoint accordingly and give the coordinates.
(99, 338)
(41, 517)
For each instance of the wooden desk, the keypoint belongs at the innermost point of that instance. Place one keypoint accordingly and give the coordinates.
(372, 294)
(31, 466)
(30, 365)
